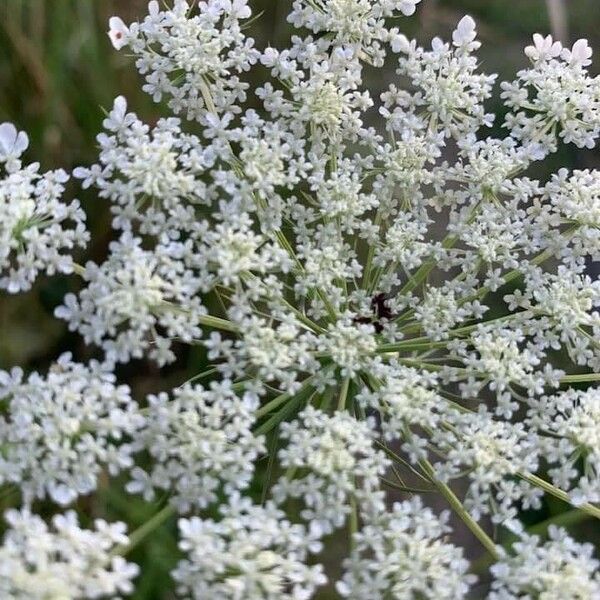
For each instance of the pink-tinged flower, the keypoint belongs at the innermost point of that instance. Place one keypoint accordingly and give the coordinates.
(118, 32)
(580, 54)
(543, 48)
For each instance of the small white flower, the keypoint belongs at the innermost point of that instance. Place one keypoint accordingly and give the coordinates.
(544, 48)
(579, 55)
(12, 143)
(465, 33)
(153, 8)
(118, 32)
(408, 7)
(238, 9)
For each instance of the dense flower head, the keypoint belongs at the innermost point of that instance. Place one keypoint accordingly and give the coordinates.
(449, 90)
(151, 176)
(137, 301)
(38, 230)
(558, 569)
(251, 552)
(388, 302)
(59, 431)
(336, 461)
(201, 440)
(193, 60)
(555, 97)
(572, 418)
(403, 555)
(38, 562)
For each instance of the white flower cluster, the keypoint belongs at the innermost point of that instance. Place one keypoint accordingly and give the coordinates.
(572, 420)
(58, 432)
(138, 301)
(388, 302)
(492, 453)
(503, 357)
(404, 556)
(555, 97)
(356, 25)
(560, 310)
(37, 229)
(201, 441)
(450, 91)
(560, 569)
(64, 561)
(195, 61)
(150, 177)
(252, 552)
(330, 461)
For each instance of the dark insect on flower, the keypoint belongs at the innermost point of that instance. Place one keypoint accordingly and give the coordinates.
(381, 312)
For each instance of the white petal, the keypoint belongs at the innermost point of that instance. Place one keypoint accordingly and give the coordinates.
(12, 142)
(118, 32)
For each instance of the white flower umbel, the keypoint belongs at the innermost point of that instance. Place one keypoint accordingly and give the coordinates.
(38, 231)
(200, 441)
(151, 177)
(38, 562)
(556, 96)
(559, 569)
(331, 461)
(356, 24)
(195, 61)
(137, 301)
(572, 420)
(386, 301)
(58, 432)
(252, 552)
(402, 556)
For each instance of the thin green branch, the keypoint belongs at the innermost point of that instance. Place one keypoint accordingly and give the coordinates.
(580, 378)
(460, 510)
(142, 532)
(590, 509)
(343, 397)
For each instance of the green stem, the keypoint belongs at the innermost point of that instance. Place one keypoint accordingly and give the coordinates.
(370, 255)
(277, 402)
(343, 394)
(587, 508)
(353, 522)
(581, 378)
(140, 534)
(207, 96)
(565, 519)
(410, 345)
(278, 417)
(78, 269)
(460, 510)
(218, 323)
(405, 488)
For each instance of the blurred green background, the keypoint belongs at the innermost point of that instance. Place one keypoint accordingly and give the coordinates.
(58, 68)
